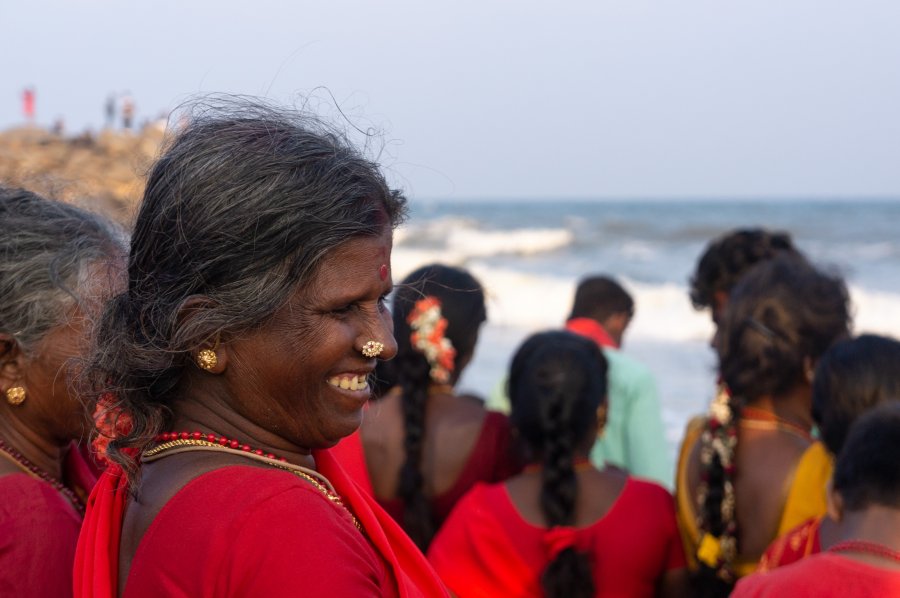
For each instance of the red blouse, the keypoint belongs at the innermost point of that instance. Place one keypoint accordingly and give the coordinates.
(822, 575)
(246, 531)
(487, 549)
(38, 531)
(492, 460)
(250, 531)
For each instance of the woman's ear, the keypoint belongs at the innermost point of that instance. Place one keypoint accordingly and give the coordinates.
(809, 369)
(12, 362)
(210, 355)
(835, 503)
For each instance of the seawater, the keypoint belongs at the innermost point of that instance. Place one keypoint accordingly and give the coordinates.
(529, 256)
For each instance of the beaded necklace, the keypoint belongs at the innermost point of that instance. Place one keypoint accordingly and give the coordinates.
(36, 472)
(867, 547)
(171, 443)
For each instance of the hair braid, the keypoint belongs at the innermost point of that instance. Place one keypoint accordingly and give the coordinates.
(569, 574)
(557, 381)
(417, 517)
(717, 521)
(460, 300)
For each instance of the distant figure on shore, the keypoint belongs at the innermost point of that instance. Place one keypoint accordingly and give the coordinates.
(110, 111)
(864, 560)
(563, 528)
(852, 378)
(425, 444)
(127, 111)
(28, 101)
(779, 320)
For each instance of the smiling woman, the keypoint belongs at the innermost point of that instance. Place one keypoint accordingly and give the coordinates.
(241, 349)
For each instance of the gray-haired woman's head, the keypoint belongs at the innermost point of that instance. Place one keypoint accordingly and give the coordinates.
(242, 207)
(47, 252)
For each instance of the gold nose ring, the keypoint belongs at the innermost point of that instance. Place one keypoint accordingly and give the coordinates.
(372, 349)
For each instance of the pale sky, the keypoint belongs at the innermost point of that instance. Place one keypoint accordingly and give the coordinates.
(513, 99)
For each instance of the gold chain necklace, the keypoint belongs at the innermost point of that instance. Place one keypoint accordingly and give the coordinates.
(318, 481)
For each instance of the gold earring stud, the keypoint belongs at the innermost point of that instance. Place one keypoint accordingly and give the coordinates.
(15, 395)
(372, 349)
(207, 359)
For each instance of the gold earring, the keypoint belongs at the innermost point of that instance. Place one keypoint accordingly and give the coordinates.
(372, 349)
(15, 395)
(207, 359)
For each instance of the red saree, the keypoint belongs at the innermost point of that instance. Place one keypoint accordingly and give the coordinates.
(38, 531)
(244, 530)
(487, 549)
(797, 544)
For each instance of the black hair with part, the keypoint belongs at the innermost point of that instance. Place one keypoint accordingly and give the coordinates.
(867, 470)
(852, 377)
(783, 311)
(462, 304)
(599, 297)
(557, 381)
(244, 204)
(728, 257)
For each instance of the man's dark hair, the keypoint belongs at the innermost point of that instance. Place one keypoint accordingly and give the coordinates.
(599, 297)
(867, 471)
(728, 257)
(852, 377)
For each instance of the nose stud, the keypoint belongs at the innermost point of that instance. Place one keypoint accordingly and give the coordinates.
(372, 349)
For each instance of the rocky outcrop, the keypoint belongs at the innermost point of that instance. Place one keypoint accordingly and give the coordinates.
(105, 172)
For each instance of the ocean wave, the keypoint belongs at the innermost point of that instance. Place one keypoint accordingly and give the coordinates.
(529, 301)
(465, 238)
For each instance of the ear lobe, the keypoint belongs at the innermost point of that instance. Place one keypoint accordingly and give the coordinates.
(12, 362)
(835, 503)
(809, 369)
(208, 356)
(602, 414)
(211, 358)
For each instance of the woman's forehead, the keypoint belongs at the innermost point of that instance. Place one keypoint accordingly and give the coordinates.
(367, 258)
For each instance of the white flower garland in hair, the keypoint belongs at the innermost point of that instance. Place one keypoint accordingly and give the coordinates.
(428, 329)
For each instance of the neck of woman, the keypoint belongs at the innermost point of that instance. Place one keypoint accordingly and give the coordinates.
(38, 448)
(878, 524)
(793, 406)
(191, 416)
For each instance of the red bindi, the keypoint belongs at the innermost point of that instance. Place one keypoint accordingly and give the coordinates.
(383, 271)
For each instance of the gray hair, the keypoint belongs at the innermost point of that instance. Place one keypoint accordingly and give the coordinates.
(46, 251)
(241, 209)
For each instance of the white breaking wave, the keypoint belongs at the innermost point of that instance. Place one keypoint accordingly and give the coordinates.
(463, 239)
(529, 302)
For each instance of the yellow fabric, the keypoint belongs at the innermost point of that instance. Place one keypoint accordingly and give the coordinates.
(684, 501)
(806, 497)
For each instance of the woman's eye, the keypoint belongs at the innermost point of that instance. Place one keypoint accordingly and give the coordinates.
(344, 309)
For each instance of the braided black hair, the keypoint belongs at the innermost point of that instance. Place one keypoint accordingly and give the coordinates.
(462, 304)
(557, 382)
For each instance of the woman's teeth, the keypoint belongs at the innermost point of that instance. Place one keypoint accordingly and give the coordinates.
(349, 382)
